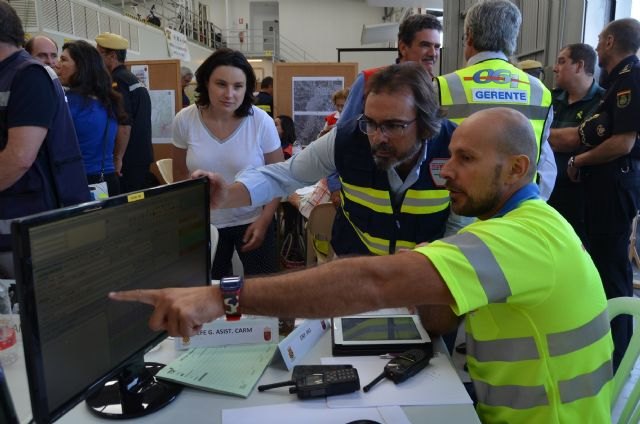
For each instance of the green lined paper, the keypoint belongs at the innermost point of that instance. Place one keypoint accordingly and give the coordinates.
(232, 370)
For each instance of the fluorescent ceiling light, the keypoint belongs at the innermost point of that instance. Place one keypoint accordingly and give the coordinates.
(254, 60)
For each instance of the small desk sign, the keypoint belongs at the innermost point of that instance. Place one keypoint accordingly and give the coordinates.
(300, 341)
(254, 330)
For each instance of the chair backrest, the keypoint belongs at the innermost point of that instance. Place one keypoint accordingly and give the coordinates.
(633, 240)
(629, 412)
(165, 166)
(319, 232)
(214, 241)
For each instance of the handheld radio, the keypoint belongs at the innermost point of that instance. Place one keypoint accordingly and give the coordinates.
(403, 366)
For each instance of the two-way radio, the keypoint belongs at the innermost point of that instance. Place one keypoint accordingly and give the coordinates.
(320, 381)
(403, 366)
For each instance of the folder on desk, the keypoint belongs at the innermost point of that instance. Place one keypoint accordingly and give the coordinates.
(232, 370)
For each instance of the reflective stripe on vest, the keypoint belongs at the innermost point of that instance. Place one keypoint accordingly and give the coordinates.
(418, 202)
(518, 349)
(531, 112)
(535, 108)
(585, 385)
(525, 397)
(425, 201)
(377, 245)
(4, 98)
(577, 338)
(459, 97)
(524, 348)
(135, 86)
(490, 275)
(512, 396)
(5, 226)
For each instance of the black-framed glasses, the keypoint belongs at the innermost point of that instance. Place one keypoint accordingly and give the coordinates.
(388, 128)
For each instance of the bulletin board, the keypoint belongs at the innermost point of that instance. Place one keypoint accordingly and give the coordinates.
(163, 75)
(283, 74)
(303, 91)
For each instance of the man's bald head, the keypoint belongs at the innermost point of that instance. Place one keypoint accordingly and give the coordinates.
(509, 130)
(493, 155)
(43, 49)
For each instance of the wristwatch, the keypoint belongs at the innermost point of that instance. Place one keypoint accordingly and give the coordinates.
(231, 287)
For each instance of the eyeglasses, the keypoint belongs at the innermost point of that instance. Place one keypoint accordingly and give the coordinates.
(389, 128)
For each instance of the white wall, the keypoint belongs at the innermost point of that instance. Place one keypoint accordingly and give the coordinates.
(317, 26)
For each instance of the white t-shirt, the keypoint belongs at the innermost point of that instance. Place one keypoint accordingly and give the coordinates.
(244, 148)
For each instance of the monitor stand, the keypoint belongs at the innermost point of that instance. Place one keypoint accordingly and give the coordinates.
(135, 392)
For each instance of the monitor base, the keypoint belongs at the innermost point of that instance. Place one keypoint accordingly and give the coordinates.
(134, 394)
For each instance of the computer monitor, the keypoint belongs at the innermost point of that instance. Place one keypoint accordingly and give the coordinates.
(76, 340)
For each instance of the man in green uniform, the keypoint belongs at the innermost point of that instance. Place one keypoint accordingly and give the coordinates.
(576, 96)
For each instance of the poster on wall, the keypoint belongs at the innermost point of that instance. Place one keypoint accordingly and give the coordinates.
(142, 73)
(163, 105)
(177, 45)
(311, 103)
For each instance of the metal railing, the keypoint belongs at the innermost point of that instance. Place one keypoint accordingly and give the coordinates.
(253, 43)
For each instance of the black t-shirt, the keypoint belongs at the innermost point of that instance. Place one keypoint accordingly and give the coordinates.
(32, 95)
(137, 104)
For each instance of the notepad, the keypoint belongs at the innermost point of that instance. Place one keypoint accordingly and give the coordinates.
(232, 370)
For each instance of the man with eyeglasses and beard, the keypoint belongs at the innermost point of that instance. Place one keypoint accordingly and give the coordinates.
(394, 197)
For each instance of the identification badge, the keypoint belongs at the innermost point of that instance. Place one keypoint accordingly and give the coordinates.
(623, 98)
(99, 191)
(435, 168)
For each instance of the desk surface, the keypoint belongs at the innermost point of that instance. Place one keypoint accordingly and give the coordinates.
(197, 406)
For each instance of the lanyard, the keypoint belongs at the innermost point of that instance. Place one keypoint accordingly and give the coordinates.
(528, 192)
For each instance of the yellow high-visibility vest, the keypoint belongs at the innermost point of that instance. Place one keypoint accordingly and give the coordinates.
(494, 83)
(538, 337)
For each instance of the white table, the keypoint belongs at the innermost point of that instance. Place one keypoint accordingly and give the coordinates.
(197, 406)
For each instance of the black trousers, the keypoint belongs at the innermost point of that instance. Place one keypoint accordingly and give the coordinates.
(612, 196)
(134, 178)
(262, 260)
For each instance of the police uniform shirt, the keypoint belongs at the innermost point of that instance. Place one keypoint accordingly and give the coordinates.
(137, 105)
(622, 100)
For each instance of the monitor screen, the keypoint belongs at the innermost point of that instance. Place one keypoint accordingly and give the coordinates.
(68, 260)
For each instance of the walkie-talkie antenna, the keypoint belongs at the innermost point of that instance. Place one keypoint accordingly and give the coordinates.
(374, 382)
(264, 387)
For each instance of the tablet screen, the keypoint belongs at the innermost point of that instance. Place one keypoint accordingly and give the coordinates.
(356, 329)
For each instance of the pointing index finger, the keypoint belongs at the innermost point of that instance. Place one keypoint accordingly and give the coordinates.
(143, 296)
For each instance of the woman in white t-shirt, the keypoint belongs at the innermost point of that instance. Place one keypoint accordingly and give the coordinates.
(223, 132)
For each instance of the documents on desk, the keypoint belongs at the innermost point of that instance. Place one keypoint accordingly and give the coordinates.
(312, 412)
(232, 370)
(437, 384)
